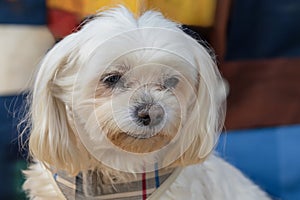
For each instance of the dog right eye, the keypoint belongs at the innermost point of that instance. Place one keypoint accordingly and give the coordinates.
(111, 79)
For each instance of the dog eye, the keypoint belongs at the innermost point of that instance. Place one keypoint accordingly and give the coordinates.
(171, 82)
(112, 79)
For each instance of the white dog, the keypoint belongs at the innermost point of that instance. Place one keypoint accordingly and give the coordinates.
(130, 108)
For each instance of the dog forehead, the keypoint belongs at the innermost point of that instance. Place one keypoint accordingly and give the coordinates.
(138, 40)
(156, 69)
(132, 49)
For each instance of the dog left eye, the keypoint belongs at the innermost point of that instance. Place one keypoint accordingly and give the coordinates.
(112, 79)
(171, 82)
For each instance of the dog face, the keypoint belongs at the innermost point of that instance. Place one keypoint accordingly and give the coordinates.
(126, 90)
(141, 100)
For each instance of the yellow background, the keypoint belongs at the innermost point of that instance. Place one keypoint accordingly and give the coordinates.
(190, 12)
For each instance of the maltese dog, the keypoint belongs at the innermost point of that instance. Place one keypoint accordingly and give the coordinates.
(130, 107)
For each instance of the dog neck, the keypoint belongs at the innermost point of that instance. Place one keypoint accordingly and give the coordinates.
(94, 184)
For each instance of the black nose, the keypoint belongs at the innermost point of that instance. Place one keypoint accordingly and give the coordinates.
(149, 115)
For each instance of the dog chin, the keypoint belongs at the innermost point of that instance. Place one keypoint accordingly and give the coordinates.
(140, 145)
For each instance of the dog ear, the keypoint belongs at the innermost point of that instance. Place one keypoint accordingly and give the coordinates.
(52, 139)
(207, 118)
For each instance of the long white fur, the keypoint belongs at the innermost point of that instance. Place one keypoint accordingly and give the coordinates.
(54, 141)
(212, 180)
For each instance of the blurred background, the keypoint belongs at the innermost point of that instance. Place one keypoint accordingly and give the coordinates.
(257, 46)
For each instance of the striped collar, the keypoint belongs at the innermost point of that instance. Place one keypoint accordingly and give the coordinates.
(91, 185)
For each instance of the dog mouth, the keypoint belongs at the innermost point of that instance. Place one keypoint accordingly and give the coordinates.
(139, 143)
(143, 132)
(140, 136)
(145, 120)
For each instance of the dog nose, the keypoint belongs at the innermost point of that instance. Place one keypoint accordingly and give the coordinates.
(149, 115)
